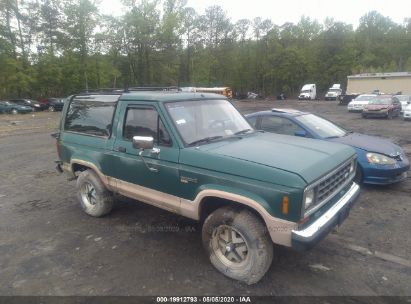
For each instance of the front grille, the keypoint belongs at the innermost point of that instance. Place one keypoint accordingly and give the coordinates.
(329, 185)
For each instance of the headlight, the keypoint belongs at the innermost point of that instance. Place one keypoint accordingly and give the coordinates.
(380, 159)
(309, 196)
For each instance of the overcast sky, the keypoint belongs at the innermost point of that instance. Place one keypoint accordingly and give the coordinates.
(282, 11)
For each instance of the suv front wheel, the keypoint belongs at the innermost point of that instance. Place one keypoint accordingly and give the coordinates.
(94, 197)
(238, 244)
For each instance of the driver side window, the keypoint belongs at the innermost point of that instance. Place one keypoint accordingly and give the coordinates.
(145, 122)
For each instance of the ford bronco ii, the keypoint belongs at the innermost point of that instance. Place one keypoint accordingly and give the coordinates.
(195, 155)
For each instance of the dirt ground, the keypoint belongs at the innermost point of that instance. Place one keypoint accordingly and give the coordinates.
(48, 246)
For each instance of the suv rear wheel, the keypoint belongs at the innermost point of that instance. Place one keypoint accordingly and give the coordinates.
(94, 197)
(238, 244)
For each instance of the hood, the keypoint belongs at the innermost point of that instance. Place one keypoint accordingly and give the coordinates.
(262, 155)
(359, 102)
(369, 143)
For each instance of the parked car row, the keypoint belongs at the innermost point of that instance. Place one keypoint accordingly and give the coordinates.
(8, 107)
(388, 106)
(16, 106)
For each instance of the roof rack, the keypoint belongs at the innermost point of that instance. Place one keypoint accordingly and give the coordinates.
(103, 91)
(153, 89)
(126, 90)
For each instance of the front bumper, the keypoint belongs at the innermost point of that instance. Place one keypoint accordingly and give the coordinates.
(355, 108)
(407, 114)
(25, 111)
(386, 175)
(375, 113)
(308, 237)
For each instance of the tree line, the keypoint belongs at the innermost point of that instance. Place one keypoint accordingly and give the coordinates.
(59, 47)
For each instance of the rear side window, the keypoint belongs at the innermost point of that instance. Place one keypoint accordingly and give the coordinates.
(91, 115)
(279, 125)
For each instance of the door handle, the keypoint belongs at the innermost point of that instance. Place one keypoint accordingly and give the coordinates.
(155, 170)
(121, 149)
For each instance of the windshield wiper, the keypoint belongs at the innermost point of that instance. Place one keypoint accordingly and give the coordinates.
(242, 132)
(205, 140)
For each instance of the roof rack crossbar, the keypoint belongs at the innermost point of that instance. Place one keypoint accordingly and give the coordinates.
(130, 89)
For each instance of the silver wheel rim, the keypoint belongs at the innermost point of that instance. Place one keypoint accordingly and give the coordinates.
(229, 246)
(14, 112)
(88, 195)
(51, 109)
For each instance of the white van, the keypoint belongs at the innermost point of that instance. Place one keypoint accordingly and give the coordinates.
(308, 92)
(334, 92)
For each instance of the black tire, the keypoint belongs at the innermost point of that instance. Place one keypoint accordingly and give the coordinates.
(364, 115)
(96, 201)
(257, 256)
(389, 115)
(358, 178)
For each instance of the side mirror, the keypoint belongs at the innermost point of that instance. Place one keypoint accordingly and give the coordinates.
(143, 142)
(300, 133)
(408, 102)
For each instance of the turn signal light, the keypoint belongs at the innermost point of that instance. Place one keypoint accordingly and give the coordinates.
(285, 205)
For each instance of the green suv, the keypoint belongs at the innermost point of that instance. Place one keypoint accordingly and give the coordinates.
(195, 155)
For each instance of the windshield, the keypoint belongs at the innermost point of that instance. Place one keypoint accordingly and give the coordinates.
(381, 100)
(321, 126)
(209, 119)
(305, 91)
(334, 90)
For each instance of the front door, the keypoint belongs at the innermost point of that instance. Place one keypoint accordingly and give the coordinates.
(151, 176)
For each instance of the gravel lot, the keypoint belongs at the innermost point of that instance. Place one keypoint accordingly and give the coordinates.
(48, 246)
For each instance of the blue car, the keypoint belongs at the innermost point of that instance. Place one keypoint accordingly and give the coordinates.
(379, 161)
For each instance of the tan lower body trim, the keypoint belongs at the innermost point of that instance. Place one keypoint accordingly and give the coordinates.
(149, 196)
(279, 230)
